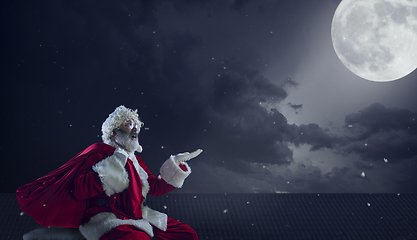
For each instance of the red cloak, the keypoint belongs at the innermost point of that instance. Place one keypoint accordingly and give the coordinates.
(48, 200)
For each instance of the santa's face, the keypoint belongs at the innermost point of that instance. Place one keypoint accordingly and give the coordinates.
(127, 135)
(129, 127)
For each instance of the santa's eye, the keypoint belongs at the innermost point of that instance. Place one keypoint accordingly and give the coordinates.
(130, 125)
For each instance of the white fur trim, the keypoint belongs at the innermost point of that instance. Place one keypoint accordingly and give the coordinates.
(122, 155)
(173, 174)
(155, 218)
(112, 173)
(104, 222)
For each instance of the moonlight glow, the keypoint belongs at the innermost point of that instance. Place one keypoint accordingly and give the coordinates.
(376, 39)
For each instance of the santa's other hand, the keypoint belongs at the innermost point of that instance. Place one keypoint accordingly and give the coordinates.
(183, 157)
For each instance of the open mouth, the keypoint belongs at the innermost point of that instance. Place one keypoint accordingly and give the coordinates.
(134, 136)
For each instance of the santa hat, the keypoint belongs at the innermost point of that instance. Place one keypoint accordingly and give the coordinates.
(116, 118)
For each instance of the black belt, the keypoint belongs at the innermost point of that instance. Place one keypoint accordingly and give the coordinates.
(98, 202)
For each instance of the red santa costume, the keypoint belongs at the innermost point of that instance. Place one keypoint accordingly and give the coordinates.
(102, 191)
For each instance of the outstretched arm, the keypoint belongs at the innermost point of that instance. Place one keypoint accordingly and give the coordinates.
(175, 169)
(172, 173)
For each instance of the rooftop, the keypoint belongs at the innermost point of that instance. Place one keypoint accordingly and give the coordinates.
(268, 216)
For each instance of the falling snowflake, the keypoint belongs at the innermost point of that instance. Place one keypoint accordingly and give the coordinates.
(22, 213)
(247, 202)
(225, 211)
(195, 196)
(165, 207)
(385, 160)
(363, 174)
(368, 204)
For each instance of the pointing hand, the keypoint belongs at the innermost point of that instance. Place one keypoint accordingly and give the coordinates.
(182, 157)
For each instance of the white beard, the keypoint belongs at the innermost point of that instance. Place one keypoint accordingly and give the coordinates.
(129, 144)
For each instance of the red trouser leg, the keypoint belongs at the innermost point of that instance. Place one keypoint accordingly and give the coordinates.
(125, 232)
(175, 231)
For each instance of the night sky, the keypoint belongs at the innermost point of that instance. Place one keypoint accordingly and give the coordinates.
(256, 84)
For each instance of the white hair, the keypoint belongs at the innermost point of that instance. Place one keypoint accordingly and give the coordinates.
(116, 118)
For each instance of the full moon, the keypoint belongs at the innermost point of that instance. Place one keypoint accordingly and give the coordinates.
(376, 39)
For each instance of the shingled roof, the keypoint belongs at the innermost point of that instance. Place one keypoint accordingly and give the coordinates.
(268, 216)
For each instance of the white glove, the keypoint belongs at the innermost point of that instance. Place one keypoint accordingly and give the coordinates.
(183, 157)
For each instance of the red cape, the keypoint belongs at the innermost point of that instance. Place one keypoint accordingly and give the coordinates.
(48, 199)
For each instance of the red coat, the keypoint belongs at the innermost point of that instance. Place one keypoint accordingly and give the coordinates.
(60, 198)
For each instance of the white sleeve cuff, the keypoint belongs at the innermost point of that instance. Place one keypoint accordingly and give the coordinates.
(173, 174)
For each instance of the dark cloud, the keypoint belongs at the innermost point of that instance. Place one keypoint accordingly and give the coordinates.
(240, 87)
(244, 129)
(377, 118)
(381, 132)
(313, 135)
(295, 106)
(290, 82)
(365, 166)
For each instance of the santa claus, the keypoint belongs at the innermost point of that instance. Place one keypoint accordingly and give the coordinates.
(102, 190)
